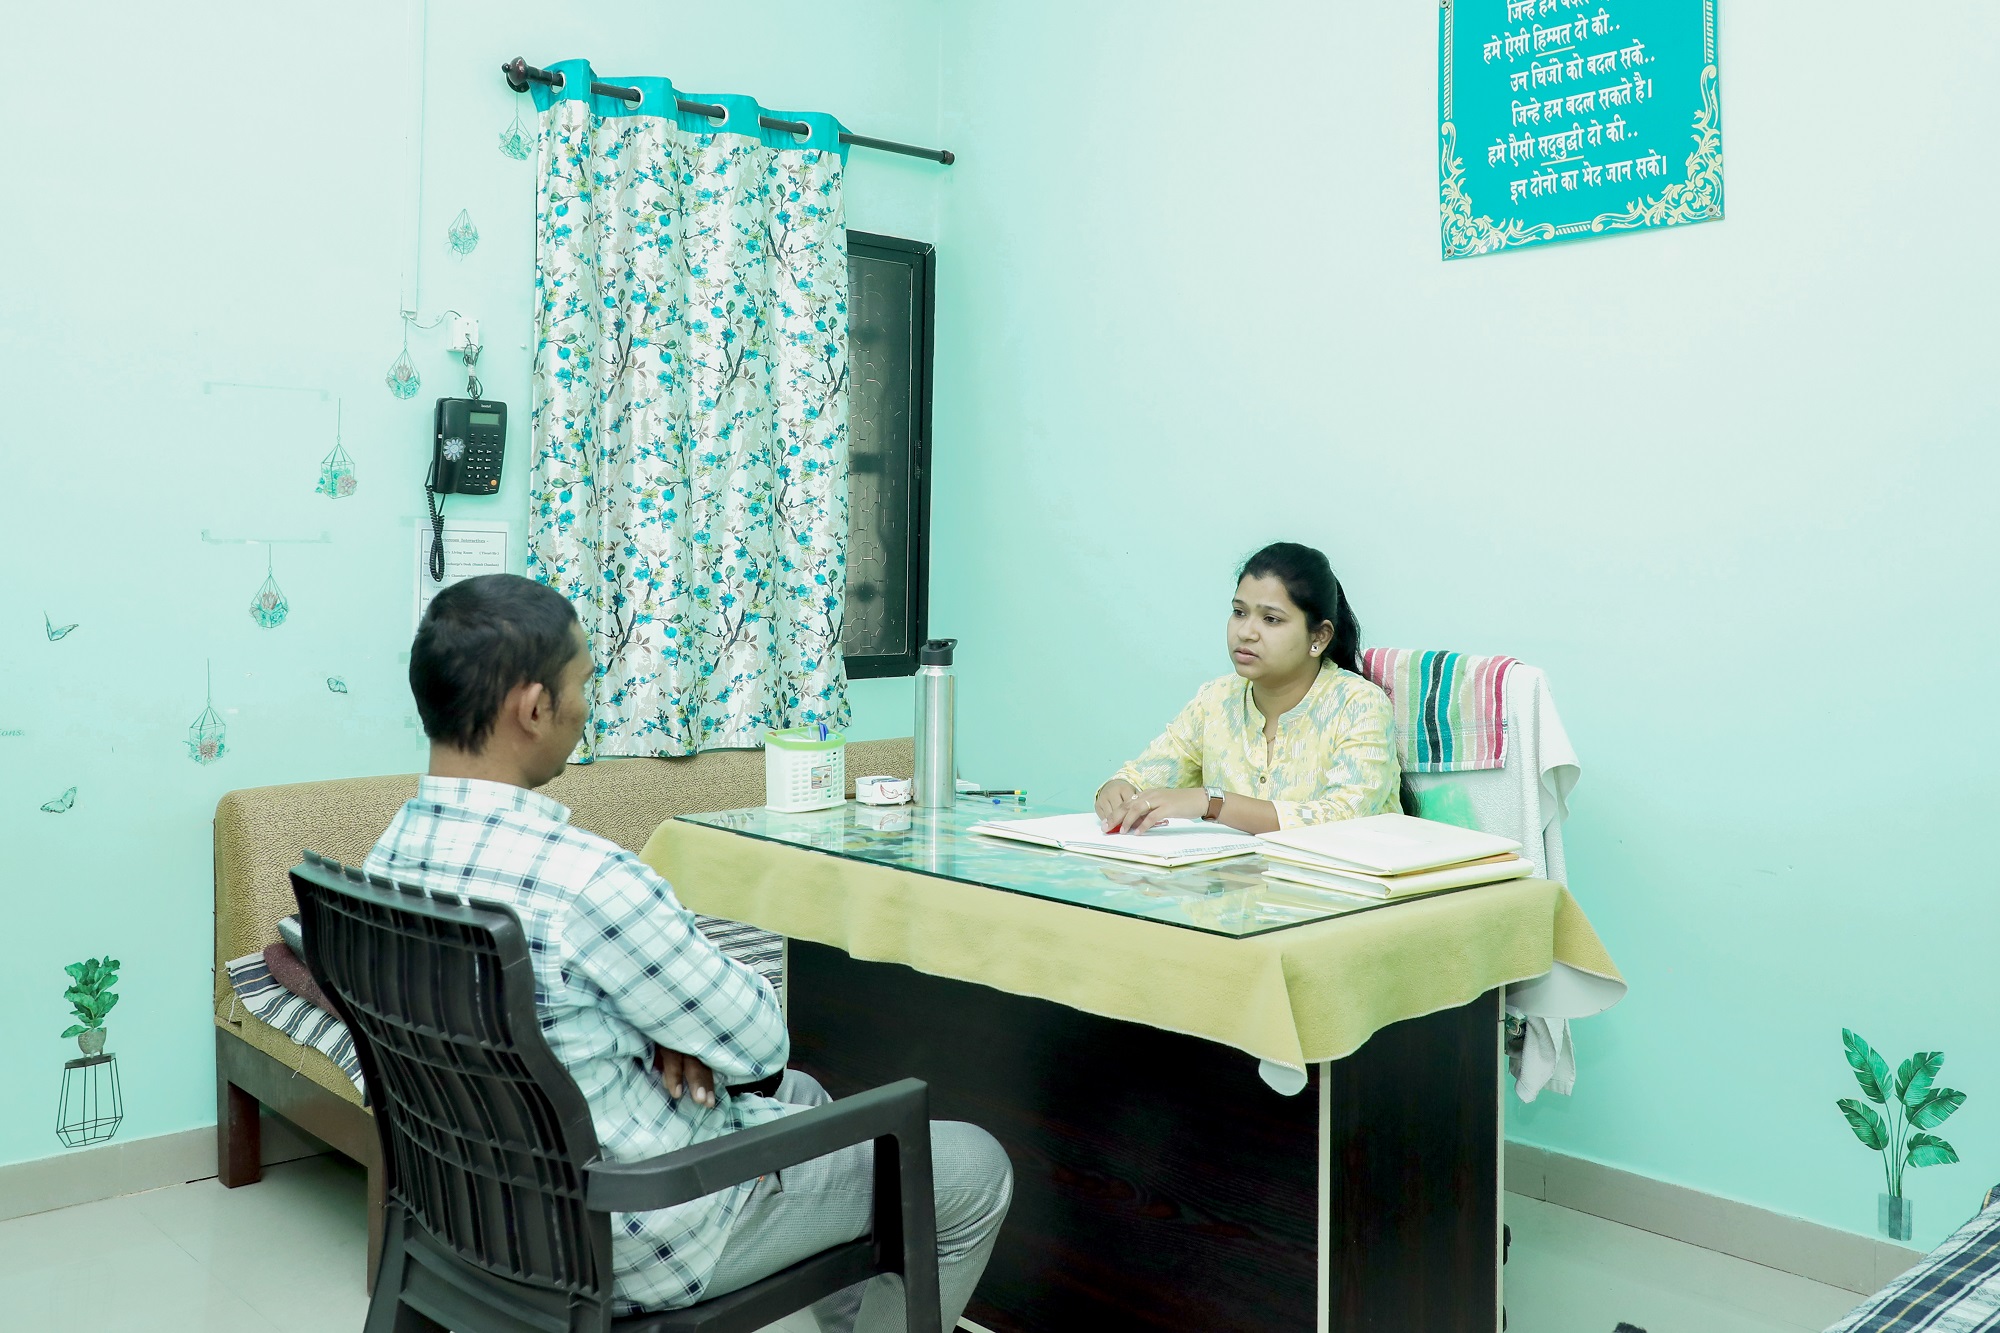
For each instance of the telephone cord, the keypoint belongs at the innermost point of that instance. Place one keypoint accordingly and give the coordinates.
(436, 507)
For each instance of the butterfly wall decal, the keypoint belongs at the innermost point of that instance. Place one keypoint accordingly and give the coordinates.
(56, 631)
(337, 684)
(61, 804)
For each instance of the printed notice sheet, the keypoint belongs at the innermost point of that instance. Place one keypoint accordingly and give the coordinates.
(469, 549)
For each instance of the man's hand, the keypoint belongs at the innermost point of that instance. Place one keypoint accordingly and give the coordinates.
(683, 1074)
(1111, 797)
(1147, 809)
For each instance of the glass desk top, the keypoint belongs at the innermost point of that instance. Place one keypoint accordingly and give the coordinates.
(1218, 897)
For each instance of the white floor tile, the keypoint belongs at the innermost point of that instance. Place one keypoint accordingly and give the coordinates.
(1574, 1273)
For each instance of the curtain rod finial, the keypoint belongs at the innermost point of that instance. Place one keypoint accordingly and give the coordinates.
(516, 71)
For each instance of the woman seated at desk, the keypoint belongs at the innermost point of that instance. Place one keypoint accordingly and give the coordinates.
(1296, 736)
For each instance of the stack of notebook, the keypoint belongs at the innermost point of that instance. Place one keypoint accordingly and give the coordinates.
(1390, 856)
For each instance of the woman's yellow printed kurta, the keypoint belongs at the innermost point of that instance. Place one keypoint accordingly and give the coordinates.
(1334, 756)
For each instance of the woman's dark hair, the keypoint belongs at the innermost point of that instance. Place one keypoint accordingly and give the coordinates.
(1310, 583)
(480, 639)
(1313, 587)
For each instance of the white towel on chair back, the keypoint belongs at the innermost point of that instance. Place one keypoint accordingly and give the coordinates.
(1528, 800)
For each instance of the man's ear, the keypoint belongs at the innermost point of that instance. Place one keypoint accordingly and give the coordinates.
(527, 705)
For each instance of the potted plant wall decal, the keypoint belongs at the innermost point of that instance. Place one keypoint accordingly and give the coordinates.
(1914, 1105)
(91, 998)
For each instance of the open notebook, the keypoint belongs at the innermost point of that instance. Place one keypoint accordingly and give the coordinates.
(1177, 842)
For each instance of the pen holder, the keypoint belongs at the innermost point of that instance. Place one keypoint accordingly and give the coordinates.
(804, 770)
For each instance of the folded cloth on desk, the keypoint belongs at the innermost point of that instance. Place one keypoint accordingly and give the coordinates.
(1451, 708)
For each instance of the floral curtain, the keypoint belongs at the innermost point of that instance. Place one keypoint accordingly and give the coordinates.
(689, 486)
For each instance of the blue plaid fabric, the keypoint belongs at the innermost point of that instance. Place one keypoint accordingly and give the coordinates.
(1956, 1289)
(619, 967)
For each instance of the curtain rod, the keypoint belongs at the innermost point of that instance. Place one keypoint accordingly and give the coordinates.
(520, 74)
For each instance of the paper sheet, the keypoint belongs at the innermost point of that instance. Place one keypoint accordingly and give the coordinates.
(470, 549)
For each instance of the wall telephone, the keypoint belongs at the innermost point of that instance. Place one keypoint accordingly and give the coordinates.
(469, 443)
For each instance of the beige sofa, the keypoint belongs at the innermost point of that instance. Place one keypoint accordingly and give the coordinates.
(259, 834)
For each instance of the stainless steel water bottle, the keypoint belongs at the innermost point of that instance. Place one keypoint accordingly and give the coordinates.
(936, 775)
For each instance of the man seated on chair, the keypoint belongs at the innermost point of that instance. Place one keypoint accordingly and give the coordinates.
(651, 1019)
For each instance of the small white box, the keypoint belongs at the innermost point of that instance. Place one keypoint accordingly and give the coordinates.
(804, 769)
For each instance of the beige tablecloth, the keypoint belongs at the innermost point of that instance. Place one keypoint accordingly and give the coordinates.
(1293, 996)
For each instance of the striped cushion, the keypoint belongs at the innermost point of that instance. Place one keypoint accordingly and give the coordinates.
(1956, 1289)
(309, 1025)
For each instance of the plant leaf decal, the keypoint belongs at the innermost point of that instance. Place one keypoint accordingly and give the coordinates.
(1930, 1150)
(1935, 1109)
(1915, 1076)
(1867, 1126)
(1870, 1071)
(53, 630)
(61, 804)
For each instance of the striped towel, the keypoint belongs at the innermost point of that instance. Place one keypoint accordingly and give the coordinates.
(294, 1015)
(759, 950)
(309, 1025)
(1451, 709)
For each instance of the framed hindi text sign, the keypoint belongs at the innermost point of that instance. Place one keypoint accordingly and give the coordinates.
(1560, 119)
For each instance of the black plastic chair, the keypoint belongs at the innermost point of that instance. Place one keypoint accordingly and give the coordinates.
(498, 1209)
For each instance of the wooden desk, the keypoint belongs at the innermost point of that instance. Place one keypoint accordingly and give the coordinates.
(1160, 1183)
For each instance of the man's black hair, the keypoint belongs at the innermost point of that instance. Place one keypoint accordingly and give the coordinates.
(480, 639)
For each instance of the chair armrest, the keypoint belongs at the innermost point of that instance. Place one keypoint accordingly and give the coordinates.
(895, 1110)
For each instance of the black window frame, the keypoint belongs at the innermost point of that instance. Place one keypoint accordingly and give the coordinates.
(921, 257)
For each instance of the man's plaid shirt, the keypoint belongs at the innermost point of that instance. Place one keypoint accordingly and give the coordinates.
(619, 967)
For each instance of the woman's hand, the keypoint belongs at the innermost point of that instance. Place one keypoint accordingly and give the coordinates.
(1147, 809)
(1111, 798)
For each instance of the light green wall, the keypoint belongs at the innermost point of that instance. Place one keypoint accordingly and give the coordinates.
(250, 222)
(1731, 487)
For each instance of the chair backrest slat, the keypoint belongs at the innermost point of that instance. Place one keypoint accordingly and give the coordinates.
(485, 1135)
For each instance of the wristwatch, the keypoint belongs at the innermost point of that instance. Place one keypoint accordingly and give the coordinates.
(1215, 795)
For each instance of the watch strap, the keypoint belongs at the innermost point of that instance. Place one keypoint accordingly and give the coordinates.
(1215, 797)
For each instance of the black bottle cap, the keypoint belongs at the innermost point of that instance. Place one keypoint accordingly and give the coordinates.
(937, 652)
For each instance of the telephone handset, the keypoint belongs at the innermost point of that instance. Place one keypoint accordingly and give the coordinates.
(469, 443)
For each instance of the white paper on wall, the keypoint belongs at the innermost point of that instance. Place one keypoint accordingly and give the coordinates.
(470, 549)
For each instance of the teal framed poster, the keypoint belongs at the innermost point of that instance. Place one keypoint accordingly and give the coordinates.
(1563, 119)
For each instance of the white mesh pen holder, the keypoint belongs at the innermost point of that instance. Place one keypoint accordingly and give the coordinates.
(805, 768)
